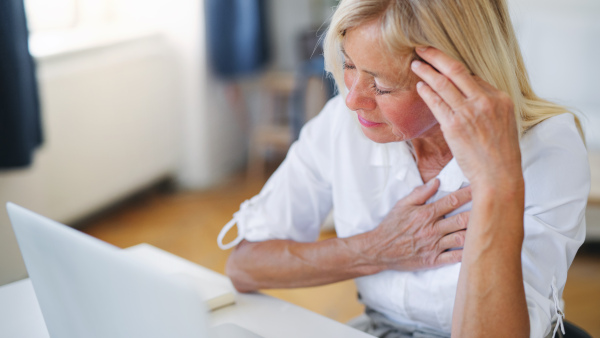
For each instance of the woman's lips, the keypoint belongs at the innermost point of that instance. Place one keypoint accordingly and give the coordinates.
(367, 123)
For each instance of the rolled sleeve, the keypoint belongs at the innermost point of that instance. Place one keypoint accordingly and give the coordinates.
(297, 198)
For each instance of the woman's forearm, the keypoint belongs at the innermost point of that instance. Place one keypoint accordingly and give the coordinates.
(288, 264)
(480, 127)
(490, 300)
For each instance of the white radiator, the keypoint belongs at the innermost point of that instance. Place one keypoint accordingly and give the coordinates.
(110, 120)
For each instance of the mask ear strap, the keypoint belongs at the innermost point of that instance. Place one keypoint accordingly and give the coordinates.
(224, 232)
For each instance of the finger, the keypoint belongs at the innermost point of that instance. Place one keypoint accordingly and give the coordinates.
(451, 202)
(449, 257)
(438, 107)
(452, 224)
(422, 193)
(453, 69)
(441, 84)
(453, 240)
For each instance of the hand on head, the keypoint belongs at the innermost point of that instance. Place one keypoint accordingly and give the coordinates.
(477, 120)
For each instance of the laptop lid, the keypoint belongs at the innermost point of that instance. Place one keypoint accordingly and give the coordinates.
(89, 288)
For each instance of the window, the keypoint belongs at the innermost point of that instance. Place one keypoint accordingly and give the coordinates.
(63, 26)
(50, 14)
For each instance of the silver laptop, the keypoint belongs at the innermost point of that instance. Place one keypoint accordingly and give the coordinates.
(88, 288)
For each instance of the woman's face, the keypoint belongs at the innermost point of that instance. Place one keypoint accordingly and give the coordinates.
(386, 110)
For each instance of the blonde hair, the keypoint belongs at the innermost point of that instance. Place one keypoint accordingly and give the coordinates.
(478, 33)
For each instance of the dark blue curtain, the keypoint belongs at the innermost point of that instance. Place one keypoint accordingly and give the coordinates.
(20, 128)
(237, 36)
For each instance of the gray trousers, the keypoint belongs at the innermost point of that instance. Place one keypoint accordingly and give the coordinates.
(376, 324)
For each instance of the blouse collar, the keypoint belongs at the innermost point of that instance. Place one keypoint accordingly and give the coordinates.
(451, 176)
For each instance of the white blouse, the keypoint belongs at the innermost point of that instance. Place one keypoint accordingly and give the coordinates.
(333, 165)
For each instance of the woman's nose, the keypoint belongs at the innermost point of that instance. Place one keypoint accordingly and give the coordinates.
(360, 97)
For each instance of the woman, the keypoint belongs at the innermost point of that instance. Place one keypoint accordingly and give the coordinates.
(436, 92)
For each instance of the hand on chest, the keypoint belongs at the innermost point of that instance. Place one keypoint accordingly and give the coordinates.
(364, 195)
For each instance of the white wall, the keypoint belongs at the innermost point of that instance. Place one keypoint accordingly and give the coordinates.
(212, 143)
(287, 19)
(560, 41)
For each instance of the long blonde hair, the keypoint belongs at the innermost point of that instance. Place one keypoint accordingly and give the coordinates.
(478, 33)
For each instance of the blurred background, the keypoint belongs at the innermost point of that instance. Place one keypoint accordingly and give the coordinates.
(157, 118)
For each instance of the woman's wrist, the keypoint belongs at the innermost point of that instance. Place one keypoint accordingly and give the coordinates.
(363, 248)
(497, 213)
(503, 187)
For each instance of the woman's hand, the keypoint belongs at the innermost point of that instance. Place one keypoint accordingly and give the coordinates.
(415, 235)
(477, 120)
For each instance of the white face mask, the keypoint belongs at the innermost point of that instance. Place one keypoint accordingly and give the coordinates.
(224, 232)
(239, 216)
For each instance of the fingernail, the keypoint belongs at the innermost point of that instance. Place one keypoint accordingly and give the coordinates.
(420, 84)
(431, 182)
(415, 64)
(421, 49)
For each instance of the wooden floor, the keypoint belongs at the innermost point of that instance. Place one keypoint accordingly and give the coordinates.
(187, 224)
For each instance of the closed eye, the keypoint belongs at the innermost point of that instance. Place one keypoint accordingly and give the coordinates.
(379, 91)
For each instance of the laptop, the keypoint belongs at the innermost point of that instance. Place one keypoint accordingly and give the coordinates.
(88, 288)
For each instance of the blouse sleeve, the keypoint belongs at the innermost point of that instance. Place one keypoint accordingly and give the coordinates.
(557, 184)
(295, 200)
